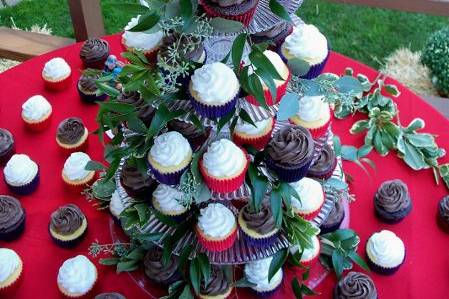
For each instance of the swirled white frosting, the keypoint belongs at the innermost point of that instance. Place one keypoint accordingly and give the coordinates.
(247, 128)
(308, 253)
(56, 68)
(9, 262)
(116, 205)
(216, 220)
(74, 166)
(77, 275)
(215, 83)
(312, 108)
(224, 159)
(168, 199)
(35, 108)
(311, 194)
(170, 149)
(141, 40)
(257, 273)
(20, 170)
(306, 42)
(385, 249)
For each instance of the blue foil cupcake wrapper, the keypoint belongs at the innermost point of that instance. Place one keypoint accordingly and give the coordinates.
(91, 98)
(259, 242)
(14, 234)
(267, 294)
(171, 178)
(69, 243)
(25, 189)
(315, 70)
(291, 174)
(213, 112)
(381, 270)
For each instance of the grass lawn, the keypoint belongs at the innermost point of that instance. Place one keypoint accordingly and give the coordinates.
(366, 34)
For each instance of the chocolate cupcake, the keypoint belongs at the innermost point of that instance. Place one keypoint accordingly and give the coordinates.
(289, 153)
(355, 285)
(157, 271)
(443, 214)
(67, 226)
(236, 10)
(392, 201)
(135, 183)
(334, 219)
(192, 133)
(325, 165)
(7, 146)
(110, 296)
(12, 218)
(94, 53)
(275, 35)
(218, 286)
(258, 228)
(145, 111)
(87, 89)
(72, 135)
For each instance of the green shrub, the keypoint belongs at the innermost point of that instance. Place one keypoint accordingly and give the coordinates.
(436, 56)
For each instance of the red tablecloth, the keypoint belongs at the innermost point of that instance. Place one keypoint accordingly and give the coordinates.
(425, 273)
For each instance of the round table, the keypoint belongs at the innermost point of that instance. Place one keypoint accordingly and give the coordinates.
(424, 274)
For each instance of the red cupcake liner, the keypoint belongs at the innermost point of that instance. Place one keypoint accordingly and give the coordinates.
(58, 85)
(216, 245)
(80, 148)
(244, 18)
(313, 214)
(151, 55)
(280, 92)
(38, 126)
(313, 260)
(224, 185)
(257, 142)
(320, 131)
(79, 187)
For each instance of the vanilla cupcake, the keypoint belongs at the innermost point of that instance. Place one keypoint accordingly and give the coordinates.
(307, 43)
(313, 114)
(21, 174)
(117, 206)
(77, 276)
(57, 74)
(257, 274)
(74, 173)
(216, 228)
(169, 157)
(167, 201)
(148, 43)
(11, 267)
(36, 113)
(281, 85)
(311, 194)
(224, 166)
(309, 255)
(214, 89)
(256, 136)
(385, 252)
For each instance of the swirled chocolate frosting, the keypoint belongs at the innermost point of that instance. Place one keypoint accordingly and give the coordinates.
(134, 182)
(189, 50)
(355, 285)
(218, 283)
(87, 83)
(273, 31)
(66, 219)
(392, 196)
(94, 50)
(11, 213)
(6, 141)
(110, 296)
(291, 146)
(324, 162)
(336, 215)
(155, 269)
(261, 222)
(227, 3)
(443, 209)
(70, 130)
(188, 130)
(145, 111)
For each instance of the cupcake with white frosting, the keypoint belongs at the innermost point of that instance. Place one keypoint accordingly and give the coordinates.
(36, 113)
(169, 157)
(257, 273)
(307, 43)
(11, 267)
(309, 255)
(167, 201)
(256, 135)
(21, 174)
(311, 196)
(148, 43)
(214, 89)
(280, 83)
(313, 114)
(56, 74)
(74, 173)
(77, 277)
(117, 206)
(385, 252)
(216, 228)
(224, 166)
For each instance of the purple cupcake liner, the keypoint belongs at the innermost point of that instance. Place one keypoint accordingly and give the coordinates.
(180, 218)
(259, 242)
(213, 112)
(69, 243)
(289, 174)
(324, 229)
(167, 282)
(323, 175)
(117, 220)
(91, 98)
(381, 270)
(25, 189)
(4, 158)
(267, 294)
(14, 234)
(392, 218)
(141, 193)
(171, 178)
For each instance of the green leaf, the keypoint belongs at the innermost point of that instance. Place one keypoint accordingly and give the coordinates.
(186, 11)
(359, 126)
(364, 150)
(195, 275)
(225, 26)
(205, 267)
(246, 118)
(186, 293)
(243, 283)
(137, 125)
(196, 121)
(358, 260)
(130, 8)
(94, 166)
(117, 107)
(337, 184)
(414, 125)
(146, 22)
(349, 153)
(143, 211)
(268, 80)
(392, 90)
(348, 85)
(277, 262)
(296, 287)
(184, 257)
(379, 145)
(307, 291)
(127, 266)
(298, 66)
(337, 263)
(420, 140)
(288, 107)
(276, 207)
(109, 261)
(337, 145)
(413, 157)
(260, 61)
(256, 89)
(237, 51)
(136, 254)
(107, 89)
(259, 184)
(279, 10)
(224, 120)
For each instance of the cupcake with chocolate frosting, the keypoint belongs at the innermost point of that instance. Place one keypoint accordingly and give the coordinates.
(12, 218)
(324, 166)
(275, 36)
(87, 89)
(136, 183)
(355, 285)
(145, 112)
(289, 153)
(72, 135)
(237, 10)
(158, 271)
(258, 227)
(443, 214)
(94, 53)
(192, 133)
(110, 296)
(218, 286)
(334, 220)
(392, 201)
(7, 146)
(67, 226)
